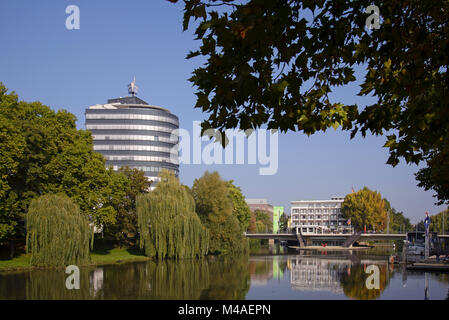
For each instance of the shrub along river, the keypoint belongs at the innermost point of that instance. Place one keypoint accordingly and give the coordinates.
(264, 275)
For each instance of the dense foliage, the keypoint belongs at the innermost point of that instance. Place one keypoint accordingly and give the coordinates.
(436, 175)
(168, 224)
(398, 222)
(215, 209)
(278, 62)
(58, 234)
(240, 207)
(283, 222)
(365, 208)
(132, 182)
(43, 152)
(260, 222)
(264, 221)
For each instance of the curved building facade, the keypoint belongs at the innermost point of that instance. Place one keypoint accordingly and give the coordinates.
(130, 132)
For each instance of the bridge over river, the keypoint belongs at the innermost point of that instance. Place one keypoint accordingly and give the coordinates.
(345, 239)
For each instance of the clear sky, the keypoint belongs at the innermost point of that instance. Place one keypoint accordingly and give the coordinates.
(42, 60)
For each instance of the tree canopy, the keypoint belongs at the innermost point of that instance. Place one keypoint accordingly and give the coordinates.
(43, 152)
(436, 175)
(264, 221)
(365, 208)
(130, 183)
(240, 207)
(398, 222)
(277, 63)
(168, 224)
(58, 234)
(215, 209)
(283, 222)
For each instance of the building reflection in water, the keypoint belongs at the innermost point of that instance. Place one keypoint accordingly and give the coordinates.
(96, 281)
(347, 275)
(338, 274)
(316, 274)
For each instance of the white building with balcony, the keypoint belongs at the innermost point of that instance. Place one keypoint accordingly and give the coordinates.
(319, 216)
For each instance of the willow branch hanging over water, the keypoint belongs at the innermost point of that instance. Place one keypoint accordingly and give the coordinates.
(57, 233)
(168, 224)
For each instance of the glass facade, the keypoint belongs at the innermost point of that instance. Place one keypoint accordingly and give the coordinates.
(129, 132)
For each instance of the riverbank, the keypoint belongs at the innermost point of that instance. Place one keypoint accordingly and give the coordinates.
(98, 257)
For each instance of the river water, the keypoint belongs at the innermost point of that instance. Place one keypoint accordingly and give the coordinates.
(265, 275)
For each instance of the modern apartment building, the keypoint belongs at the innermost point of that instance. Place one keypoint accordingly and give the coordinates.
(130, 132)
(318, 216)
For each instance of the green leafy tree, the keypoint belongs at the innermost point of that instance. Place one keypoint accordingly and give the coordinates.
(365, 208)
(260, 222)
(215, 209)
(276, 63)
(440, 222)
(240, 207)
(283, 222)
(43, 152)
(129, 183)
(11, 146)
(168, 224)
(436, 175)
(58, 234)
(398, 222)
(252, 223)
(264, 221)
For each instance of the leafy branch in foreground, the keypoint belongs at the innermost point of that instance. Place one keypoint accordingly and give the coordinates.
(277, 62)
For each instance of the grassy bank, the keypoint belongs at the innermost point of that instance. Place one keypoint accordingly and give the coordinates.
(98, 257)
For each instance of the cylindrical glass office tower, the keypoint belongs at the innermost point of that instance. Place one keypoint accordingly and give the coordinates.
(130, 132)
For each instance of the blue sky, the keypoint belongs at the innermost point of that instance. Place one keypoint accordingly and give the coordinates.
(72, 69)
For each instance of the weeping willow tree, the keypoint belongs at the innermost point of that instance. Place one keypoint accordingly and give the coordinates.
(57, 233)
(168, 224)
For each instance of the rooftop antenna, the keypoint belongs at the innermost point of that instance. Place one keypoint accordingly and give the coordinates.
(132, 87)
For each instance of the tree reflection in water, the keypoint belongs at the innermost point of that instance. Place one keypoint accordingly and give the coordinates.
(337, 274)
(206, 278)
(354, 282)
(216, 277)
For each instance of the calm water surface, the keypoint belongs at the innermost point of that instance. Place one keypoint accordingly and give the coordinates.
(266, 275)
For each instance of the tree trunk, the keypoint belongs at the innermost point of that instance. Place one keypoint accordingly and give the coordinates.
(12, 248)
